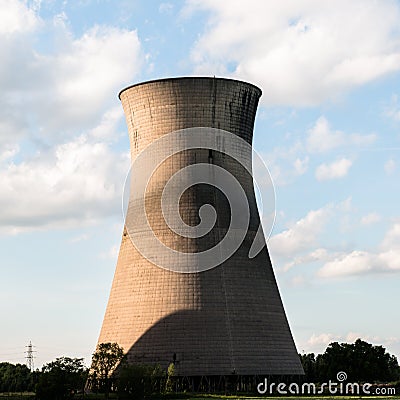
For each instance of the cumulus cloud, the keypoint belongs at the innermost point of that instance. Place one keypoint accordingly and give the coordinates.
(287, 163)
(8, 151)
(370, 219)
(353, 263)
(301, 165)
(64, 86)
(321, 138)
(301, 235)
(323, 338)
(319, 254)
(77, 182)
(92, 70)
(319, 342)
(304, 243)
(335, 170)
(274, 44)
(307, 241)
(360, 262)
(15, 17)
(392, 238)
(60, 118)
(165, 8)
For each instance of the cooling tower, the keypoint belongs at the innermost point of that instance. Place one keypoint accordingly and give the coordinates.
(177, 295)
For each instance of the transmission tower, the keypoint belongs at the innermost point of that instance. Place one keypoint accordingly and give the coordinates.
(30, 356)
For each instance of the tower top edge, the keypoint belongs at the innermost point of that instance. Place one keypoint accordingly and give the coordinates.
(189, 78)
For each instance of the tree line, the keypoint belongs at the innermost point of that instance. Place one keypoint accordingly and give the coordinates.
(362, 362)
(16, 378)
(68, 378)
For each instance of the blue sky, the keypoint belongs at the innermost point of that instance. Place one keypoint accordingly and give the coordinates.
(328, 128)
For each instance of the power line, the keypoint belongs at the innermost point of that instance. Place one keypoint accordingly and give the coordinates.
(30, 356)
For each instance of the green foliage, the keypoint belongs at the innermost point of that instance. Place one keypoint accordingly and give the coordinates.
(362, 361)
(169, 385)
(309, 365)
(15, 378)
(138, 382)
(105, 360)
(61, 379)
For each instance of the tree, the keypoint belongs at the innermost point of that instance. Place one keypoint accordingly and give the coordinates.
(169, 385)
(61, 379)
(15, 378)
(138, 382)
(362, 362)
(308, 362)
(105, 360)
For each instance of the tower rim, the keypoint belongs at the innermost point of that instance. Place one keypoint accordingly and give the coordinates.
(189, 77)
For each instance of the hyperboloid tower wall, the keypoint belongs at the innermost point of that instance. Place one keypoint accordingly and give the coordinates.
(227, 319)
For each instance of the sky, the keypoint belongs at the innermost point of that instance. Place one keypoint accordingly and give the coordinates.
(328, 128)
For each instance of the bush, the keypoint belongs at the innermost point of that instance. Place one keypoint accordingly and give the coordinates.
(138, 382)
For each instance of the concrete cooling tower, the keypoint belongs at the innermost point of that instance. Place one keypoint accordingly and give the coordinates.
(194, 284)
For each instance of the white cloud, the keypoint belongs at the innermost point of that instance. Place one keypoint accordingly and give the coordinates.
(97, 65)
(370, 219)
(274, 44)
(76, 182)
(15, 17)
(59, 104)
(360, 262)
(106, 129)
(345, 205)
(287, 163)
(319, 254)
(337, 169)
(390, 166)
(301, 165)
(354, 263)
(307, 241)
(166, 8)
(65, 86)
(393, 110)
(323, 338)
(392, 238)
(8, 151)
(318, 342)
(282, 157)
(301, 235)
(322, 138)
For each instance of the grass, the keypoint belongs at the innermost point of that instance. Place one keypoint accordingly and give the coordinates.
(17, 396)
